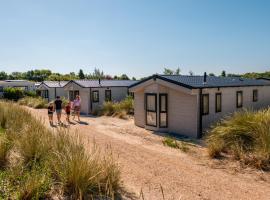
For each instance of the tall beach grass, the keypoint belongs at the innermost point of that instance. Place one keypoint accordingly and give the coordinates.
(245, 135)
(38, 163)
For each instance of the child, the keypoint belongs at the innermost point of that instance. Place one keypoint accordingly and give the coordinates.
(50, 113)
(67, 109)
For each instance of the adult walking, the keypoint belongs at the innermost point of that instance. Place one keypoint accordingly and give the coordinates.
(58, 108)
(77, 107)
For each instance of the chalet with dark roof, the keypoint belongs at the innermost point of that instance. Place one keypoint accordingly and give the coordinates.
(51, 89)
(94, 93)
(189, 105)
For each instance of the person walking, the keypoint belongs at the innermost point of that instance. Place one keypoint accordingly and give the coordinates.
(58, 108)
(50, 113)
(77, 107)
(67, 109)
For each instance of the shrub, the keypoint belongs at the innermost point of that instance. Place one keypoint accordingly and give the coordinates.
(30, 94)
(13, 93)
(34, 102)
(245, 135)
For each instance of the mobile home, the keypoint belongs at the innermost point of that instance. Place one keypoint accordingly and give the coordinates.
(22, 84)
(94, 93)
(49, 90)
(188, 105)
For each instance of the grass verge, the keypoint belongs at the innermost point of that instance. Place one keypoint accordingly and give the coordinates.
(34, 102)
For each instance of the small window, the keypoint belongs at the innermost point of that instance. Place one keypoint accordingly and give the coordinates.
(95, 96)
(73, 94)
(45, 94)
(163, 110)
(255, 95)
(239, 99)
(218, 102)
(151, 109)
(205, 103)
(108, 95)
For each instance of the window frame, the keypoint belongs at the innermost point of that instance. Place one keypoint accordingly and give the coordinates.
(253, 95)
(110, 92)
(239, 92)
(205, 113)
(73, 94)
(218, 94)
(93, 100)
(153, 111)
(166, 109)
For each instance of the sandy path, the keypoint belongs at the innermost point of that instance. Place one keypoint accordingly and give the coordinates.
(146, 164)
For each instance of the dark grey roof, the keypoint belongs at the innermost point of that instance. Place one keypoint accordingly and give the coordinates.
(193, 82)
(104, 83)
(56, 84)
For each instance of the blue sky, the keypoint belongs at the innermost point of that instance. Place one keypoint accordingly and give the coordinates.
(136, 37)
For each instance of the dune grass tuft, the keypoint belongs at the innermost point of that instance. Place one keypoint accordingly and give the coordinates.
(34, 102)
(43, 160)
(245, 135)
(172, 142)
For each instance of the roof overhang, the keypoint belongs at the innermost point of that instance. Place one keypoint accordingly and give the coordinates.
(161, 81)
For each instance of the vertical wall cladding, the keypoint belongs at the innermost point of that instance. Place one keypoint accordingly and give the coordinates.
(182, 110)
(229, 102)
(51, 94)
(139, 111)
(61, 92)
(117, 94)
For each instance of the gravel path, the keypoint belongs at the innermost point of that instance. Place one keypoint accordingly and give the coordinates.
(148, 166)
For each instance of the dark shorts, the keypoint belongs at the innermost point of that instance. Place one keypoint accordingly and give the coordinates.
(50, 113)
(68, 113)
(77, 108)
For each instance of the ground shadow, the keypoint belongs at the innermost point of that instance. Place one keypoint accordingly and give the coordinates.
(83, 123)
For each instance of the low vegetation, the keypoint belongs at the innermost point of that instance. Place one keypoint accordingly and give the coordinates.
(33, 102)
(245, 135)
(36, 163)
(118, 109)
(172, 142)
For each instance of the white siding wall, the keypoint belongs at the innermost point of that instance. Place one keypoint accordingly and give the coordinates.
(229, 102)
(182, 110)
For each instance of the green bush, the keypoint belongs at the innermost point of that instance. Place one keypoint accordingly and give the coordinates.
(245, 135)
(13, 93)
(46, 163)
(30, 94)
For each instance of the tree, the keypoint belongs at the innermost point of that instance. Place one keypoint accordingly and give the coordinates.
(133, 78)
(81, 74)
(168, 71)
(3, 75)
(211, 74)
(124, 77)
(223, 73)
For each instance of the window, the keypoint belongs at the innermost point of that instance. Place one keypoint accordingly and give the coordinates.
(108, 95)
(163, 111)
(73, 94)
(218, 102)
(205, 104)
(239, 99)
(1, 89)
(151, 109)
(44, 94)
(95, 96)
(255, 95)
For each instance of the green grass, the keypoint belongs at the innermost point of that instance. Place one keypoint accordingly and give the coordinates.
(37, 163)
(245, 135)
(173, 143)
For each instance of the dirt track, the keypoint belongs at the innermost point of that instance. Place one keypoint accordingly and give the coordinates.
(147, 165)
